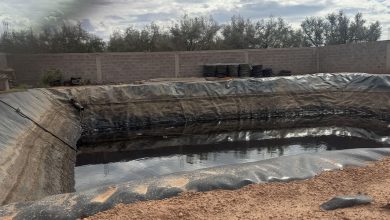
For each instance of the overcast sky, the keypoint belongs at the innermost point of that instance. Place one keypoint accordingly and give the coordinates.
(102, 17)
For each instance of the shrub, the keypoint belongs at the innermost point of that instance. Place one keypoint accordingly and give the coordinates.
(52, 77)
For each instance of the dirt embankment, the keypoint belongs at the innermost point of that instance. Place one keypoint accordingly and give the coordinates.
(294, 200)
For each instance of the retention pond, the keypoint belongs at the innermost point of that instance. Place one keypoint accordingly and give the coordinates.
(68, 153)
(152, 153)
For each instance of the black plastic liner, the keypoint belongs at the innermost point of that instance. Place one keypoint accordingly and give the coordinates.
(299, 167)
(38, 136)
(130, 108)
(248, 129)
(340, 202)
(203, 145)
(109, 109)
(35, 104)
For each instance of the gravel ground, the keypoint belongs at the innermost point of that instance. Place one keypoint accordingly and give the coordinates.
(293, 200)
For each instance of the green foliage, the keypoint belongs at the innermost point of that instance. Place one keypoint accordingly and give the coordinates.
(266, 33)
(239, 33)
(195, 33)
(150, 38)
(51, 77)
(337, 28)
(65, 38)
(314, 29)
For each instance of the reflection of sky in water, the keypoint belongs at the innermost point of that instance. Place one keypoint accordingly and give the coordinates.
(89, 176)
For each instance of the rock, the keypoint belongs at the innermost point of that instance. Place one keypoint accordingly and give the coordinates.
(346, 201)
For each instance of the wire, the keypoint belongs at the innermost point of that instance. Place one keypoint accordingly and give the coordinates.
(19, 112)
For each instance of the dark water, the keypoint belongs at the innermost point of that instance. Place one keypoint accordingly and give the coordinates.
(116, 163)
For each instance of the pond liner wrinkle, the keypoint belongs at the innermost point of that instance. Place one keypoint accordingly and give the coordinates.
(37, 147)
(34, 161)
(228, 177)
(19, 112)
(178, 103)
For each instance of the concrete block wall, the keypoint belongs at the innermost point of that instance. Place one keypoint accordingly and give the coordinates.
(30, 67)
(298, 60)
(371, 57)
(100, 68)
(3, 61)
(127, 67)
(191, 63)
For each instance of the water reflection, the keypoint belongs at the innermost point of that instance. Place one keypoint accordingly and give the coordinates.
(104, 168)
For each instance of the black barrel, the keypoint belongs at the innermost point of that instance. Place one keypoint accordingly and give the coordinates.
(232, 70)
(257, 71)
(209, 70)
(284, 73)
(267, 72)
(244, 70)
(222, 71)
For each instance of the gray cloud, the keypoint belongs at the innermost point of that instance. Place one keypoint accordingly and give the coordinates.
(149, 17)
(266, 9)
(114, 17)
(87, 25)
(103, 16)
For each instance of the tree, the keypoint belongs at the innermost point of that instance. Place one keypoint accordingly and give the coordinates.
(150, 38)
(239, 33)
(153, 39)
(298, 39)
(374, 32)
(357, 30)
(54, 39)
(18, 41)
(271, 32)
(314, 29)
(117, 43)
(336, 29)
(276, 33)
(194, 33)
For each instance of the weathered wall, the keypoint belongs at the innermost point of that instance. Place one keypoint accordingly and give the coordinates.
(372, 57)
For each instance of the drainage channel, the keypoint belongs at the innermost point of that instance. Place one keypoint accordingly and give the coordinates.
(137, 158)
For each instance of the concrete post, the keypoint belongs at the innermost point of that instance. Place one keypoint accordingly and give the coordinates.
(317, 51)
(388, 57)
(177, 65)
(99, 77)
(246, 55)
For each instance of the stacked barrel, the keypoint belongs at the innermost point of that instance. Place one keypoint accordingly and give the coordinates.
(222, 70)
